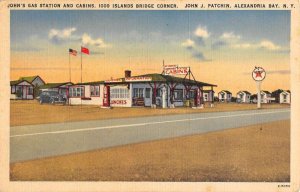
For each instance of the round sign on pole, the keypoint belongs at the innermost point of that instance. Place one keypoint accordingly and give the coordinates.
(258, 74)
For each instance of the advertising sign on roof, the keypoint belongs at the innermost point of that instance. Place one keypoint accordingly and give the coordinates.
(134, 79)
(176, 71)
(113, 81)
(170, 66)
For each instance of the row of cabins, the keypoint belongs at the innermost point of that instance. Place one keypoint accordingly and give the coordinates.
(278, 96)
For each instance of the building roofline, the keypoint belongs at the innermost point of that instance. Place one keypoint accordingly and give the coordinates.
(16, 82)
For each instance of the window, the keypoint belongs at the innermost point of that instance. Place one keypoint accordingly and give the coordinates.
(19, 89)
(178, 94)
(192, 94)
(95, 90)
(79, 91)
(284, 97)
(13, 89)
(206, 97)
(147, 94)
(70, 92)
(158, 92)
(116, 93)
(30, 91)
(76, 91)
(138, 92)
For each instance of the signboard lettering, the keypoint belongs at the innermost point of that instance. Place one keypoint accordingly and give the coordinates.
(106, 96)
(133, 79)
(176, 71)
(118, 102)
(170, 66)
(113, 81)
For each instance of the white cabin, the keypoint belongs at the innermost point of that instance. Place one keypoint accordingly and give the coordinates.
(243, 96)
(208, 95)
(21, 89)
(285, 97)
(225, 96)
(265, 97)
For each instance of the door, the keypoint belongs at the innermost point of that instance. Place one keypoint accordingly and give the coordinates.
(148, 97)
(24, 92)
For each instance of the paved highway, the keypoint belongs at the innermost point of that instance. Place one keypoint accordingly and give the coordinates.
(38, 141)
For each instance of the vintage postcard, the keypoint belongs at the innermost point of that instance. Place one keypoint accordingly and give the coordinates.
(150, 95)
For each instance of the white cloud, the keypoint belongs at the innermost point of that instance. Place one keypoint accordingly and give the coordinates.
(230, 35)
(188, 43)
(243, 45)
(88, 40)
(61, 34)
(266, 44)
(235, 41)
(202, 32)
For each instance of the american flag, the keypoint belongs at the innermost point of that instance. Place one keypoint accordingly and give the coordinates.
(72, 52)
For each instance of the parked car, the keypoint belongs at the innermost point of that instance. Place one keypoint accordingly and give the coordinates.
(52, 97)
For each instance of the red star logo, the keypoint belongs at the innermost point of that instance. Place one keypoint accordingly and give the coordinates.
(258, 73)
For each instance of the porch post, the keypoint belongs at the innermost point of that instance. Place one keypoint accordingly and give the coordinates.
(212, 96)
(154, 96)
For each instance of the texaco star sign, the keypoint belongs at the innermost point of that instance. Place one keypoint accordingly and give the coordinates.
(258, 74)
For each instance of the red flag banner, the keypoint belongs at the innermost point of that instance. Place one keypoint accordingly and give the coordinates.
(72, 52)
(85, 50)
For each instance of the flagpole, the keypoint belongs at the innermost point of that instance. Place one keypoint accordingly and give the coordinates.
(81, 64)
(68, 97)
(69, 67)
(81, 75)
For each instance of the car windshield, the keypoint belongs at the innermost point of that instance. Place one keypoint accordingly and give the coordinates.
(53, 93)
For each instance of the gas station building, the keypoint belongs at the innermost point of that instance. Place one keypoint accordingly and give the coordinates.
(149, 90)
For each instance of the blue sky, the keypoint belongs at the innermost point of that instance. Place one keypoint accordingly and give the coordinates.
(252, 25)
(142, 39)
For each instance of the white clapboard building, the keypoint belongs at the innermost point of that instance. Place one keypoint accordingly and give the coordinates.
(285, 97)
(143, 90)
(86, 93)
(282, 96)
(266, 97)
(208, 95)
(243, 96)
(225, 96)
(23, 88)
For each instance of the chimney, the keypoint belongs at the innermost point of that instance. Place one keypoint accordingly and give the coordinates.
(127, 73)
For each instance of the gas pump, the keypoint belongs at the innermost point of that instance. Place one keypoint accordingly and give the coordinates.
(198, 98)
(164, 97)
(106, 96)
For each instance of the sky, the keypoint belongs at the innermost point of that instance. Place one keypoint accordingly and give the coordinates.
(221, 47)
